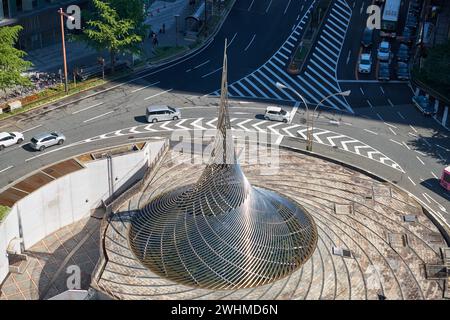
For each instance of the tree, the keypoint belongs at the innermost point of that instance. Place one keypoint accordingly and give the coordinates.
(133, 10)
(106, 30)
(11, 63)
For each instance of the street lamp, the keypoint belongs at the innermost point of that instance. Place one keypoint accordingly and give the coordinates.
(309, 131)
(62, 14)
(281, 86)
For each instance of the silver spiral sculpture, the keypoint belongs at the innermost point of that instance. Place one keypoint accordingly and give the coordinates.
(222, 233)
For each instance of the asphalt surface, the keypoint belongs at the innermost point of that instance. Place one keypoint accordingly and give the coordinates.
(256, 32)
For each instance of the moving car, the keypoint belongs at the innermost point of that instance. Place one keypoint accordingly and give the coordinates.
(276, 114)
(10, 138)
(445, 178)
(383, 72)
(384, 51)
(403, 53)
(162, 113)
(44, 140)
(366, 40)
(423, 104)
(408, 35)
(365, 63)
(402, 71)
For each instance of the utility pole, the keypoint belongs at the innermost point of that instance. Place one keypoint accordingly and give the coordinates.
(61, 14)
(176, 29)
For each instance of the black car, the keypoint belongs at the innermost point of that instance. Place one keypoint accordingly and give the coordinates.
(367, 37)
(423, 104)
(402, 71)
(383, 72)
(403, 53)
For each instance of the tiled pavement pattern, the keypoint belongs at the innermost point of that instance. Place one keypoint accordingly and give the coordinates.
(40, 279)
(378, 267)
(319, 79)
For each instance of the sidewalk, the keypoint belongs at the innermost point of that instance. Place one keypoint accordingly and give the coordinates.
(50, 59)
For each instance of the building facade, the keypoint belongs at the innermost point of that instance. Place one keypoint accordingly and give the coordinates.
(38, 18)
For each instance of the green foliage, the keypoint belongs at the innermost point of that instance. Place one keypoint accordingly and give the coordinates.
(132, 10)
(3, 212)
(437, 64)
(11, 62)
(106, 30)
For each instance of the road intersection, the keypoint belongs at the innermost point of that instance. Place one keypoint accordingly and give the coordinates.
(375, 128)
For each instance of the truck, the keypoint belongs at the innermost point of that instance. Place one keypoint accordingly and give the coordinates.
(390, 17)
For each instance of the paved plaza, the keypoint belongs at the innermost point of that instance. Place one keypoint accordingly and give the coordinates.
(352, 211)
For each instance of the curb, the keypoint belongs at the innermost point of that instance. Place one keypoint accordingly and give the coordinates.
(427, 210)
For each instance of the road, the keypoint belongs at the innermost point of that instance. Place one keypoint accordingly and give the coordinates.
(391, 139)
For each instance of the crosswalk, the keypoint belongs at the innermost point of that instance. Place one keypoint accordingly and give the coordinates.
(442, 115)
(319, 78)
(279, 129)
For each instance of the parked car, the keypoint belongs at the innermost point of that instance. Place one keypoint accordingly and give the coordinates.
(384, 51)
(423, 104)
(44, 140)
(367, 36)
(402, 71)
(10, 138)
(162, 113)
(365, 63)
(403, 53)
(384, 73)
(276, 114)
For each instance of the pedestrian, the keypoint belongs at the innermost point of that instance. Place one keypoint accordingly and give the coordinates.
(156, 42)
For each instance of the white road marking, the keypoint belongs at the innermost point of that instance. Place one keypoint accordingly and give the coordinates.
(401, 116)
(412, 134)
(420, 160)
(379, 117)
(362, 91)
(250, 6)
(362, 8)
(435, 176)
(403, 142)
(443, 148)
(395, 142)
(421, 153)
(294, 111)
(369, 103)
(390, 102)
(87, 108)
(251, 41)
(348, 57)
(414, 129)
(208, 74)
(99, 116)
(390, 125)
(3, 170)
(411, 181)
(426, 198)
(32, 128)
(285, 10)
(268, 7)
(381, 88)
(367, 130)
(232, 39)
(150, 85)
(158, 94)
(393, 132)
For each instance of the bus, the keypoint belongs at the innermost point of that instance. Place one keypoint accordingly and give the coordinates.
(445, 178)
(390, 15)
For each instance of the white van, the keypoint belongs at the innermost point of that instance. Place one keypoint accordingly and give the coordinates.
(162, 113)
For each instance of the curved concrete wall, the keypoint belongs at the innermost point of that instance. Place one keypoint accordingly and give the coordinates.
(70, 198)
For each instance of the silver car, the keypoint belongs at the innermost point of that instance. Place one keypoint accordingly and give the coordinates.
(276, 114)
(9, 138)
(45, 140)
(162, 113)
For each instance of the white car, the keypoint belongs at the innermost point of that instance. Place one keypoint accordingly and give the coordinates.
(276, 114)
(365, 63)
(10, 138)
(384, 51)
